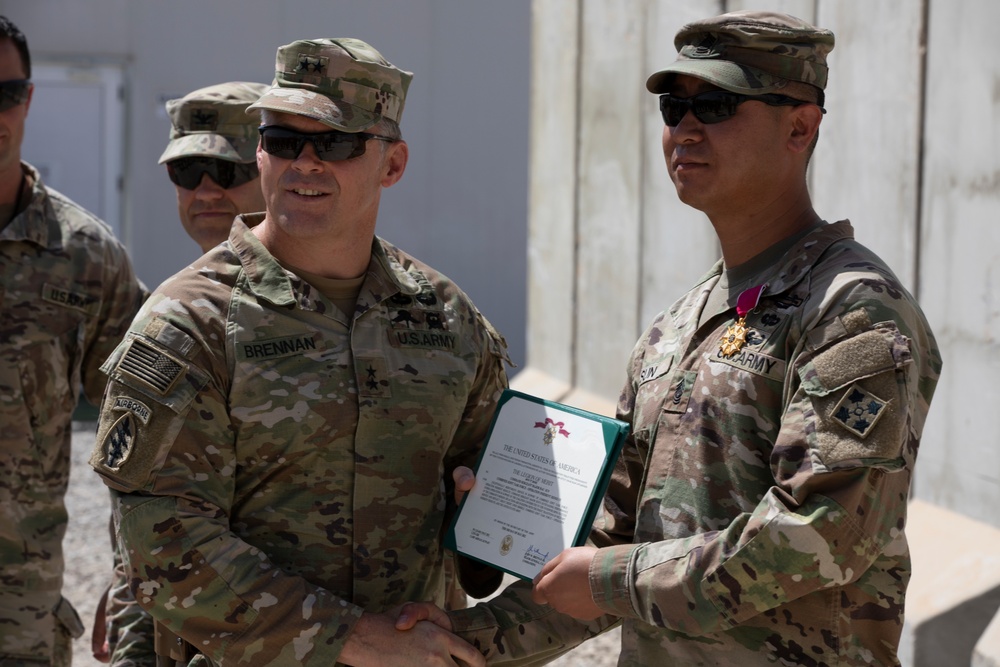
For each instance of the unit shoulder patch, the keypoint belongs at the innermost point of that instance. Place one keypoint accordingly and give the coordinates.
(118, 442)
(859, 410)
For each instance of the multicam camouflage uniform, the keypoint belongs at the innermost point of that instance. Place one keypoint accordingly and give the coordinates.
(68, 295)
(208, 122)
(280, 467)
(756, 516)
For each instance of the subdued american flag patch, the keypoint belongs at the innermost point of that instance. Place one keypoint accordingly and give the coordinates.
(149, 365)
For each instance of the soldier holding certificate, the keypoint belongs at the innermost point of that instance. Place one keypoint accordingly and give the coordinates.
(756, 514)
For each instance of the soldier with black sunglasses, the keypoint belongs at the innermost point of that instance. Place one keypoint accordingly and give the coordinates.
(756, 514)
(211, 160)
(283, 421)
(67, 296)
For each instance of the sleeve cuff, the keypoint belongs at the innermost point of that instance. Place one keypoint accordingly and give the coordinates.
(471, 620)
(611, 579)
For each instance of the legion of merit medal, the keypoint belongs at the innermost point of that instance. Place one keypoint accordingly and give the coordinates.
(736, 335)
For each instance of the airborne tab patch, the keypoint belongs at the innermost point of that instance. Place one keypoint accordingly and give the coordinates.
(858, 411)
(150, 366)
(138, 408)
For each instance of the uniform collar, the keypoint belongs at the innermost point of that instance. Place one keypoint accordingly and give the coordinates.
(36, 223)
(271, 281)
(797, 261)
(783, 276)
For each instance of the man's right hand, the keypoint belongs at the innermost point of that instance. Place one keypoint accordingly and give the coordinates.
(375, 641)
(412, 613)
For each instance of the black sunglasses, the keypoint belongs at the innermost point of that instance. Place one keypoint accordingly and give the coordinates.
(716, 106)
(330, 146)
(13, 93)
(187, 171)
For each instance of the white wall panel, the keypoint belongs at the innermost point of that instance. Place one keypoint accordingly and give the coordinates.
(552, 190)
(959, 464)
(678, 242)
(611, 92)
(866, 165)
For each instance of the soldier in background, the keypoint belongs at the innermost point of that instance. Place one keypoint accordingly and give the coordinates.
(756, 513)
(68, 294)
(283, 420)
(211, 159)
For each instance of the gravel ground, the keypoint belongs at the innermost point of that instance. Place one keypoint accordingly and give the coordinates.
(88, 559)
(87, 546)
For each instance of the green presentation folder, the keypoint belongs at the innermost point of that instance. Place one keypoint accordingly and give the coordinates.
(540, 482)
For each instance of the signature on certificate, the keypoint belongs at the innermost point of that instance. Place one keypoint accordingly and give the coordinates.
(537, 553)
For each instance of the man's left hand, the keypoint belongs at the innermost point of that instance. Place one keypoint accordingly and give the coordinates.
(564, 584)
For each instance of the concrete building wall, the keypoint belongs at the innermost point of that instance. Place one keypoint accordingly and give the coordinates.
(462, 204)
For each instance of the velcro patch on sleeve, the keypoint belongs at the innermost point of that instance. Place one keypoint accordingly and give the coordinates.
(858, 405)
(133, 437)
(859, 356)
(154, 368)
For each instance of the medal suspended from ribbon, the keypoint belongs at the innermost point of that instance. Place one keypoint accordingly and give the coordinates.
(736, 335)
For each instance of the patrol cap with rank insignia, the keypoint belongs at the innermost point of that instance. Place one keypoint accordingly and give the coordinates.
(341, 82)
(214, 122)
(749, 52)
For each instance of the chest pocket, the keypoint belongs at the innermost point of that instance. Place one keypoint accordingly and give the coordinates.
(654, 386)
(43, 345)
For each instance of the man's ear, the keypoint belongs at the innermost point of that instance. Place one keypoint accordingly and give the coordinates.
(806, 119)
(394, 162)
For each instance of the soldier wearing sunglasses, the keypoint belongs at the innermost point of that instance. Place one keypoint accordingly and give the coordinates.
(756, 514)
(282, 424)
(211, 158)
(68, 294)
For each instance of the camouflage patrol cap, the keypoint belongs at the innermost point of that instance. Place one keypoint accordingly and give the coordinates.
(749, 52)
(213, 122)
(341, 82)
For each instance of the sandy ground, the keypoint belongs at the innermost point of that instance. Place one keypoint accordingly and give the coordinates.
(88, 559)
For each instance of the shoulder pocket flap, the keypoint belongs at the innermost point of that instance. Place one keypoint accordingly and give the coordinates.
(861, 356)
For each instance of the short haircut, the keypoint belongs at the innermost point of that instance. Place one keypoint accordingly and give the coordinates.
(10, 31)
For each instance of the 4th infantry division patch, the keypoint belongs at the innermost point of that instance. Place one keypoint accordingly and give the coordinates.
(858, 411)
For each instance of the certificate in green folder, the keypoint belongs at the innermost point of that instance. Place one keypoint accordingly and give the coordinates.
(540, 481)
